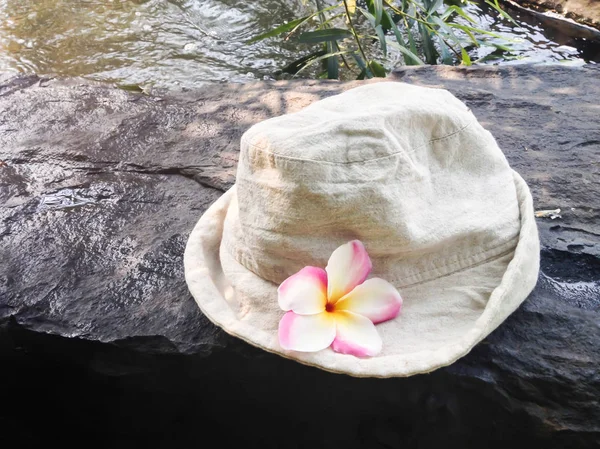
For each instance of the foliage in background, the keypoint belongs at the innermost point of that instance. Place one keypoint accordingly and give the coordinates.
(422, 31)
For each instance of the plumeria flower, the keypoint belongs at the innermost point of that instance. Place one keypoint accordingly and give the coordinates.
(336, 306)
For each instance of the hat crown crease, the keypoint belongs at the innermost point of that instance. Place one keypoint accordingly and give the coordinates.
(417, 180)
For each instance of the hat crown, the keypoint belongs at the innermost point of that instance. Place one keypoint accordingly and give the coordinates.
(407, 170)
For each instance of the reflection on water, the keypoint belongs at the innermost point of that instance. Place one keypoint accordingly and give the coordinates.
(180, 42)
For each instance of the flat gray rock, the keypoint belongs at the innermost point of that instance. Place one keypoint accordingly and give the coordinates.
(99, 189)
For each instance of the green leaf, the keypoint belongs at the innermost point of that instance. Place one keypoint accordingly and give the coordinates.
(294, 66)
(370, 17)
(428, 48)
(131, 88)
(458, 10)
(279, 30)
(381, 38)
(490, 57)
(290, 26)
(333, 64)
(362, 65)
(376, 10)
(411, 40)
(433, 7)
(468, 32)
(466, 60)
(321, 58)
(409, 57)
(322, 25)
(476, 30)
(378, 6)
(446, 55)
(447, 30)
(412, 12)
(329, 34)
(503, 13)
(377, 69)
(500, 46)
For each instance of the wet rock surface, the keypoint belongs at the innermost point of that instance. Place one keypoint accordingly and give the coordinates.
(582, 11)
(100, 341)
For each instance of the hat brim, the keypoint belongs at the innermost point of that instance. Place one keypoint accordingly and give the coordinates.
(441, 320)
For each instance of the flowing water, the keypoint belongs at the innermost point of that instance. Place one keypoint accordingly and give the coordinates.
(169, 43)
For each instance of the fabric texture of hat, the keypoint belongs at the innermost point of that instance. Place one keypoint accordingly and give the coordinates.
(406, 170)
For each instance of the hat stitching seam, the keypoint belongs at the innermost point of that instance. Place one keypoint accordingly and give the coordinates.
(246, 262)
(297, 159)
(474, 265)
(459, 261)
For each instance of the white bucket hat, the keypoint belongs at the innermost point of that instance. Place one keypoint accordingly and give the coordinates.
(406, 170)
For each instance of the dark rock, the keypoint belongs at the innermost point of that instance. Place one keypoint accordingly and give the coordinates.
(582, 11)
(99, 189)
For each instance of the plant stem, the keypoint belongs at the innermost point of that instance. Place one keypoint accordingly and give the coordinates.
(450, 47)
(342, 56)
(356, 35)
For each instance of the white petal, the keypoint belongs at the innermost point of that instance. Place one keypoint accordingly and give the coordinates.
(375, 298)
(304, 292)
(348, 266)
(356, 335)
(306, 333)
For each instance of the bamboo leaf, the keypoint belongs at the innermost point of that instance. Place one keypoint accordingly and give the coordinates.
(445, 53)
(377, 69)
(447, 30)
(466, 60)
(381, 38)
(501, 47)
(503, 13)
(279, 30)
(458, 10)
(323, 25)
(296, 65)
(291, 26)
(131, 88)
(378, 6)
(321, 58)
(428, 47)
(468, 32)
(411, 40)
(409, 57)
(329, 34)
(476, 30)
(490, 57)
(333, 64)
(370, 17)
(433, 7)
(376, 9)
(362, 65)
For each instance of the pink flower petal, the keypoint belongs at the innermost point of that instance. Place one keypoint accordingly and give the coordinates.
(355, 335)
(306, 333)
(348, 266)
(304, 292)
(375, 298)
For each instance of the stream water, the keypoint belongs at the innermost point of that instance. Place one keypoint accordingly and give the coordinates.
(167, 43)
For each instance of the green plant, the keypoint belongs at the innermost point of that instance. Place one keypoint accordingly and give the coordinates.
(421, 31)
